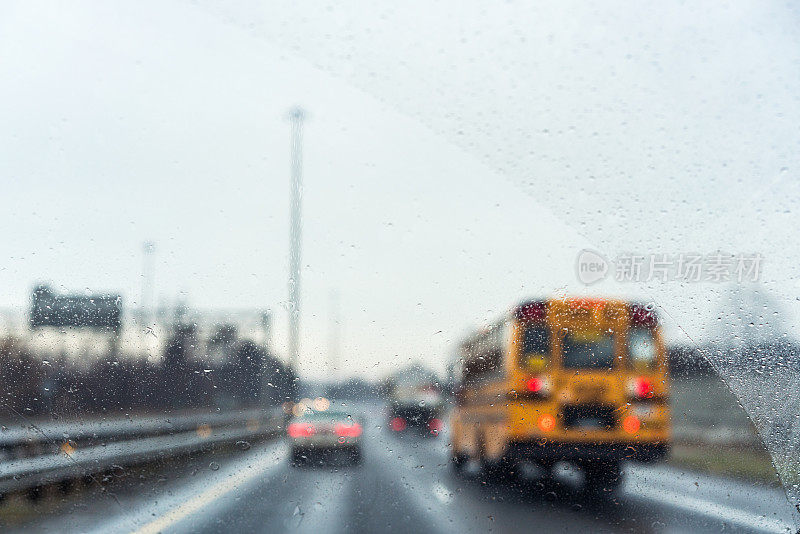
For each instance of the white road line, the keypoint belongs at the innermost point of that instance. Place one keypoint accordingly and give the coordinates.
(402, 463)
(711, 509)
(322, 504)
(196, 503)
(441, 492)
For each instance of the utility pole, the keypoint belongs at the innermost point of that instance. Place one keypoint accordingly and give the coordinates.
(148, 276)
(296, 117)
(334, 334)
(266, 326)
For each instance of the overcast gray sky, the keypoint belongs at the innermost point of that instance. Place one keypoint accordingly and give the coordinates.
(455, 162)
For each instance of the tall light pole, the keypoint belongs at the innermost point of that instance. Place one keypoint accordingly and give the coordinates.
(266, 326)
(334, 334)
(296, 117)
(148, 276)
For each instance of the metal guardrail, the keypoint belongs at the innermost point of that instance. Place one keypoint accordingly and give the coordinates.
(69, 451)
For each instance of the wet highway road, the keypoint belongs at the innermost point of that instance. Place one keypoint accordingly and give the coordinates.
(406, 485)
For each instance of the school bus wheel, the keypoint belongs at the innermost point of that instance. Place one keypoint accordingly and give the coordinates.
(458, 461)
(602, 476)
(500, 470)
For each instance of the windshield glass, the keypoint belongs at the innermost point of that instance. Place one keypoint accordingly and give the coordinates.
(542, 254)
(587, 350)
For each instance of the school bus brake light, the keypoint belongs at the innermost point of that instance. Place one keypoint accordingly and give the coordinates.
(640, 388)
(532, 312)
(534, 384)
(538, 385)
(631, 424)
(642, 315)
(546, 423)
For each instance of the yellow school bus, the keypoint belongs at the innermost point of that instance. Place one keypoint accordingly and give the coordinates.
(568, 379)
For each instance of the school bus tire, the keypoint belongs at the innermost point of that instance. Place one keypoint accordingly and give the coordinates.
(458, 461)
(500, 470)
(602, 476)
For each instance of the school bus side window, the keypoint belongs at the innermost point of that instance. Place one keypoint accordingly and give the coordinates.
(487, 367)
(641, 349)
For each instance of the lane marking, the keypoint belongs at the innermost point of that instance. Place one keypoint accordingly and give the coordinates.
(402, 462)
(696, 505)
(441, 492)
(196, 503)
(318, 507)
(718, 511)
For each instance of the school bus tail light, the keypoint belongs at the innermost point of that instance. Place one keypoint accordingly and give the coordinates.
(631, 424)
(538, 385)
(546, 422)
(642, 315)
(534, 311)
(640, 387)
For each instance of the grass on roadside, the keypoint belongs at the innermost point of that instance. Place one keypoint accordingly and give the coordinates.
(748, 464)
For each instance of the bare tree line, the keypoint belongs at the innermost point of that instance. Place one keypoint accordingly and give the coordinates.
(247, 376)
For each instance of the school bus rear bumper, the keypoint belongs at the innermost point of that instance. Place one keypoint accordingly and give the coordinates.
(570, 451)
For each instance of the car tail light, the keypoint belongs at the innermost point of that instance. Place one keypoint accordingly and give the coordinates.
(348, 431)
(300, 430)
(546, 422)
(631, 424)
(539, 385)
(435, 425)
(640, 388)
(398, 424)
